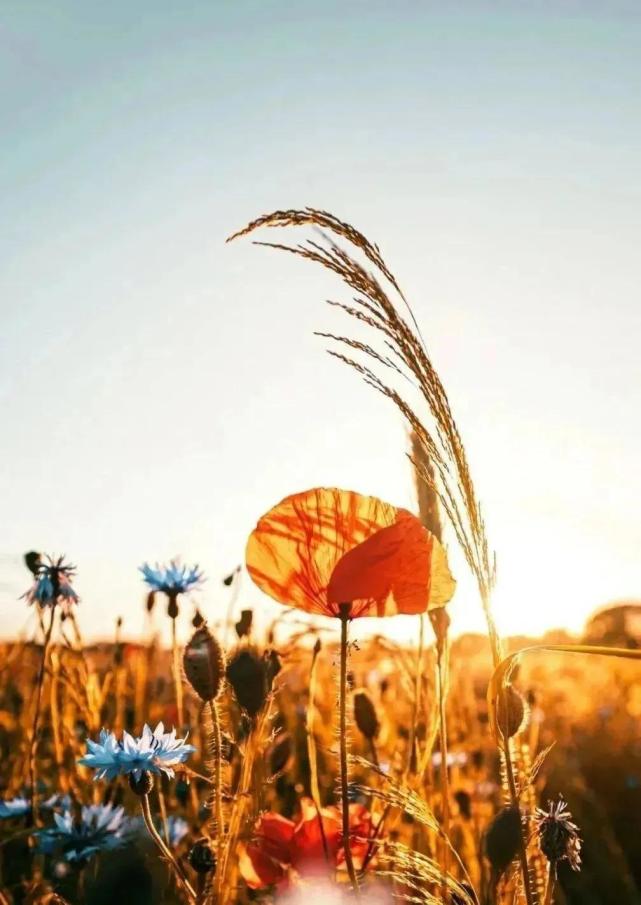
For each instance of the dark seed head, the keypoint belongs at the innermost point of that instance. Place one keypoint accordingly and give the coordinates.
(204, 664)
(503, 838)
(511, 712)
(247, 675)
(143, 785)
(365, 715)
(558, 835)
(202, 857)
(198, 619)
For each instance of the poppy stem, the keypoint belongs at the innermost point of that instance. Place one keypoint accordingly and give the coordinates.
(35, 728)
(219, 828)
(344, 610)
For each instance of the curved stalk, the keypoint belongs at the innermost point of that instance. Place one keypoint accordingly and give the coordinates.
(349, 861)
(164, 850)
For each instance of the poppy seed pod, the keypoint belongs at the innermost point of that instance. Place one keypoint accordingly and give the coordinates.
(279, 753)
(143, 785)
(202, 857)
(198, 619)
(247, 675)
(204, 664)
(365, 715)
(503, 838)
(511, 712)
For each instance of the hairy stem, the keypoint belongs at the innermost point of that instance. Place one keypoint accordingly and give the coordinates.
(33, 752)
(349, 861)
(551, 883)
(217, 804)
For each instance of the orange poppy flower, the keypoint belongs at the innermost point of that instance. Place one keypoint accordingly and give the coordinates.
(325, 547)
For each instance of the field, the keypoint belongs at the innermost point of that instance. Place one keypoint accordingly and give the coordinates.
(270, 744)
(306, 761)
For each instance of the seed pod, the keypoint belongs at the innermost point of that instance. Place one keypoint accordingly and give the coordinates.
(202, 857)
(511, 712)
(247, 675)
(151, 599)
(365, 715)
(197, 619)
(279, 753)
(503, 838)
(143, 785)
(204, 664)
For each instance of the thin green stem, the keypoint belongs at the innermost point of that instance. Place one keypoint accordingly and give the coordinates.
(33, 751)
(349, 861)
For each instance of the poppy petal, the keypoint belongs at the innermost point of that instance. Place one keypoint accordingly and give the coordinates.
(400, 569)
(296, 546)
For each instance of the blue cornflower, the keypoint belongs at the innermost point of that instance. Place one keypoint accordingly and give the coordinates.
(101, 827)
(154, 752)
(20, 806)
(173, 579)
(52, 583)
(177, 829)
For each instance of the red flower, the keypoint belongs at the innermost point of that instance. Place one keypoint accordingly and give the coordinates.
(281, 849)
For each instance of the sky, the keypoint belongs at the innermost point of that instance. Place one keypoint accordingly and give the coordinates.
(160, 390)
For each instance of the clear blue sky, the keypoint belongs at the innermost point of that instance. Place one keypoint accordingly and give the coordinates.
(159, 390)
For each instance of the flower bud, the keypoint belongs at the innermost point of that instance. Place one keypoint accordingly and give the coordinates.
(143, 785)
(503, 838)
(365, 715)
(202, 857)
(247, 675)
(204, 664)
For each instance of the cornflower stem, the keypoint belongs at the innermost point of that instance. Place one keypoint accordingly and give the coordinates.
(164, 849)
(344, 610)
(445, 779)
(551, 883)
(35, 727)
(175, 654)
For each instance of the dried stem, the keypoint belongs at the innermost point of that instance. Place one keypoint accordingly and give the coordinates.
(175, 654)
(349, 861)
